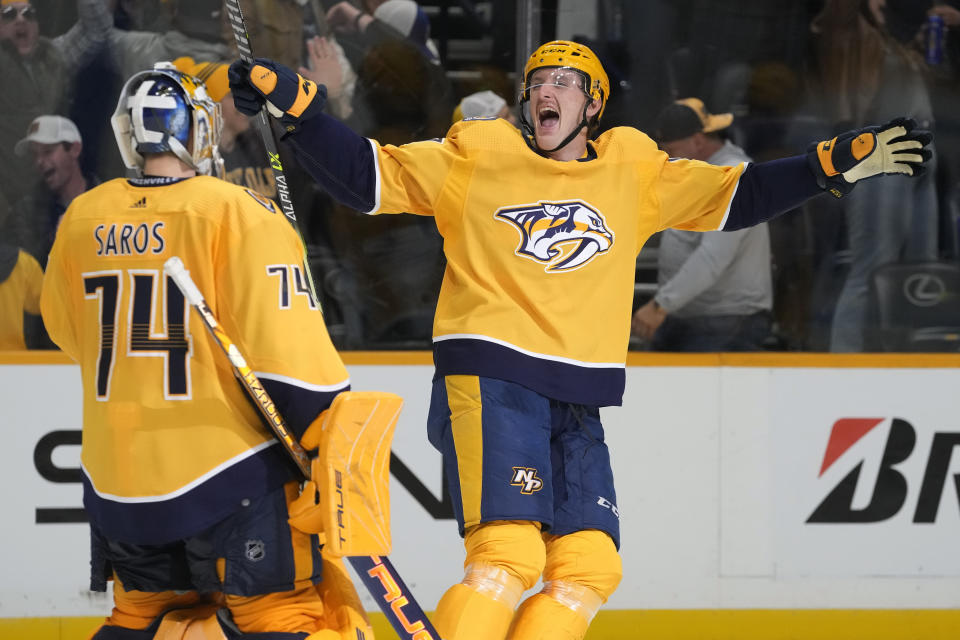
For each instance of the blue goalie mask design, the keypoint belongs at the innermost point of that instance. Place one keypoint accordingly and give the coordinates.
(165, 110)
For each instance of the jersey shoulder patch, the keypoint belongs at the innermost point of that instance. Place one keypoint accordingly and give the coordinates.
(265, 202)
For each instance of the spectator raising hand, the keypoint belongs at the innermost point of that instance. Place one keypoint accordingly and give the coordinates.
(327, 65)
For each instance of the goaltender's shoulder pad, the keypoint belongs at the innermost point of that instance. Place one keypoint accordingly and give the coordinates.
(626, 143)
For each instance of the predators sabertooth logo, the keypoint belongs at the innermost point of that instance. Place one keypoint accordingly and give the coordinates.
(526, 478)
(562, 235)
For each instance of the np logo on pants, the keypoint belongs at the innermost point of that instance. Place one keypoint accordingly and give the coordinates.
(526, 478)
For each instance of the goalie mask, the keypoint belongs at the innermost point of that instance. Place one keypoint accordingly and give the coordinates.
(567, 58)
(165, 110)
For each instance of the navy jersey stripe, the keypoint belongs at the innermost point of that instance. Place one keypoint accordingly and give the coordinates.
(194, 511)
(594, 386)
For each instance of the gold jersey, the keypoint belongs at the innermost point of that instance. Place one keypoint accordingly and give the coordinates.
(541, 254)
(19, 293)
(171, 444)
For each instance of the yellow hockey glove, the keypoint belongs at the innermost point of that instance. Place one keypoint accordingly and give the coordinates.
(895, 147)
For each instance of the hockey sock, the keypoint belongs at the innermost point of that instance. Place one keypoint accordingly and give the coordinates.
(504, 559)
(583, 569)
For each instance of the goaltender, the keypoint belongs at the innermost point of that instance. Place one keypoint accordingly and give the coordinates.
(186, 491)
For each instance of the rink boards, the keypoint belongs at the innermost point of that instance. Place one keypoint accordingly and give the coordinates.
(761, 496)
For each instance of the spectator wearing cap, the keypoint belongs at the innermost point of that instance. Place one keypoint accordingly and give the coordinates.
(714, 289)
(37, 75)
(484, 104)
(54, 145)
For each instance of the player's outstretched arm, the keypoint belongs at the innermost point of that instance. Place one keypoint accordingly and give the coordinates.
(768, 189)
(895, 147)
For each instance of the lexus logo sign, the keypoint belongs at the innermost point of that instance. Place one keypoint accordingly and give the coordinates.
(924, 289)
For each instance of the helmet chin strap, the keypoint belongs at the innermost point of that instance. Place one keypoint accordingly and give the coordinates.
(573, 134)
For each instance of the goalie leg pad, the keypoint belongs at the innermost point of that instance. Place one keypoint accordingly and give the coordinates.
(351, 472)
(583, 570)
(198, 622)
(133, 609)
(191, 624)
(297, 611)
(504, 559)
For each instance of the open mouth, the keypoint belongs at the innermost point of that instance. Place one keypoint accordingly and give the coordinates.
(548, 117)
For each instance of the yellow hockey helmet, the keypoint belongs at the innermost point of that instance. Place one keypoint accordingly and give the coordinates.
(564, 53)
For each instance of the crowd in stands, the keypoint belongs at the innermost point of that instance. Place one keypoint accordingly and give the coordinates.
(786, 72)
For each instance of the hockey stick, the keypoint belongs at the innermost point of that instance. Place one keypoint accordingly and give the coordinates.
(261, 121)
(397, 602)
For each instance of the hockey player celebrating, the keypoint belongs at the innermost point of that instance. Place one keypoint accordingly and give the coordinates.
(541, 232)
(186, 491)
